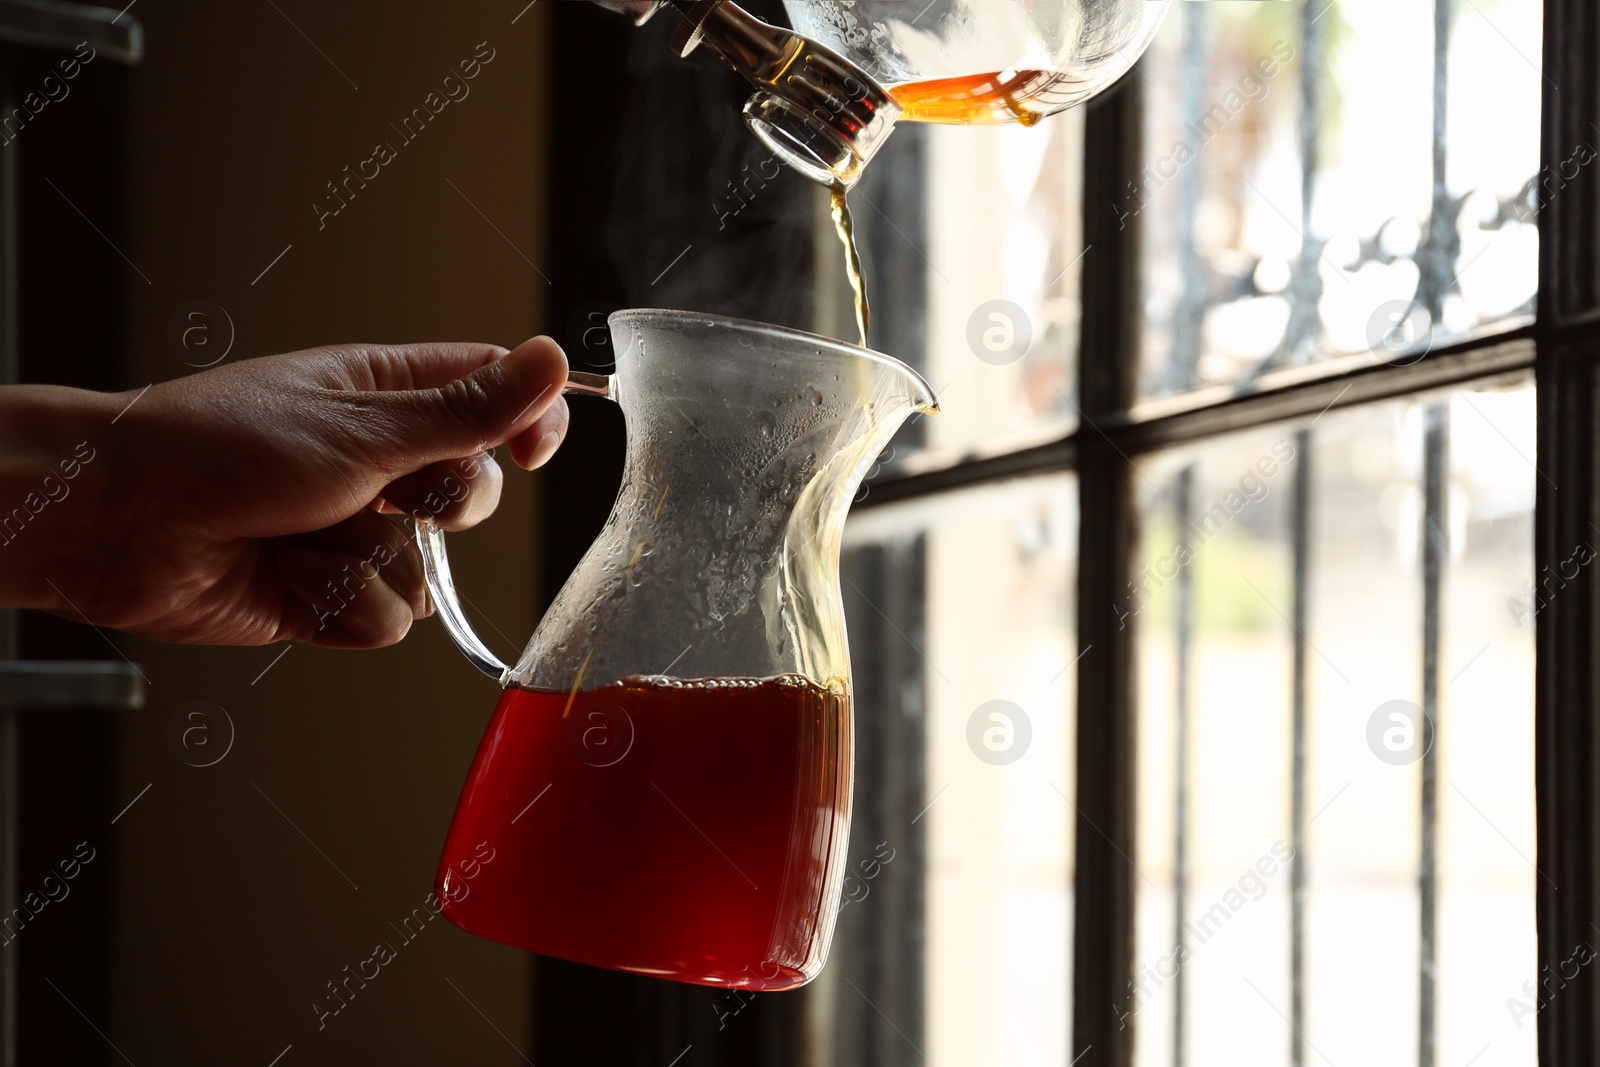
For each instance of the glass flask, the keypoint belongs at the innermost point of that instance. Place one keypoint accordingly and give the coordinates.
(984, 61)
(665, 785)
(829, 92)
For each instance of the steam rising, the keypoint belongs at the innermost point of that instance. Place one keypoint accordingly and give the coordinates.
(703, 217)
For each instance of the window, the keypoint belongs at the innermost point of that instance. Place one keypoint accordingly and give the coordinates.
(1289, 372)
(1318, 821)
(1310, 302)
(967, 691)
(1419, 227)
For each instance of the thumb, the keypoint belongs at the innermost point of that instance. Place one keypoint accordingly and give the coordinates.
(476, 411)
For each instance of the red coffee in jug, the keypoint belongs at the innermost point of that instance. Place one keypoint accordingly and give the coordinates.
(692, 830)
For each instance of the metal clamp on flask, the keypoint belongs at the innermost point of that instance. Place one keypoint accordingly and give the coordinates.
(816, 110)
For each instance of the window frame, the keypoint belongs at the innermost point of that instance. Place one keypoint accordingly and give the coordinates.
(576, 1011)
(1562, 349)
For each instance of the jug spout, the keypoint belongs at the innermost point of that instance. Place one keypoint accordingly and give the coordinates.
(923, 399)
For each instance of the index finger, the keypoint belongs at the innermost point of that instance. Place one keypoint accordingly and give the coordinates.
(391, 368)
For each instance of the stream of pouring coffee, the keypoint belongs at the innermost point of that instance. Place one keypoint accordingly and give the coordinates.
(844, 223)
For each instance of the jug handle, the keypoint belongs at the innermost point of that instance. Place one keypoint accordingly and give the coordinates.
(436, 563)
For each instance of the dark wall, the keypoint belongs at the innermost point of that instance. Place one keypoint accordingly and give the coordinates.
(221, 903)
(66, 756)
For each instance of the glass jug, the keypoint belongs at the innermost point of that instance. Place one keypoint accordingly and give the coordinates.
(829, 93)
(665, 785)
(984, 61)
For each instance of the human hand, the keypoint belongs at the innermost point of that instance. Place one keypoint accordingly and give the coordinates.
(246, 505)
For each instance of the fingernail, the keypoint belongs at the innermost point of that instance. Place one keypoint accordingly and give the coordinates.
(535, 366)
(546, 448)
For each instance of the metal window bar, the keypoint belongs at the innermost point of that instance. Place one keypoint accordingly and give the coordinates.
(1300, 520)
(1188, 318)
(1440, 248)
(1183, 506)
(1436, 443)
(1298, 344)
(1187, 342)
